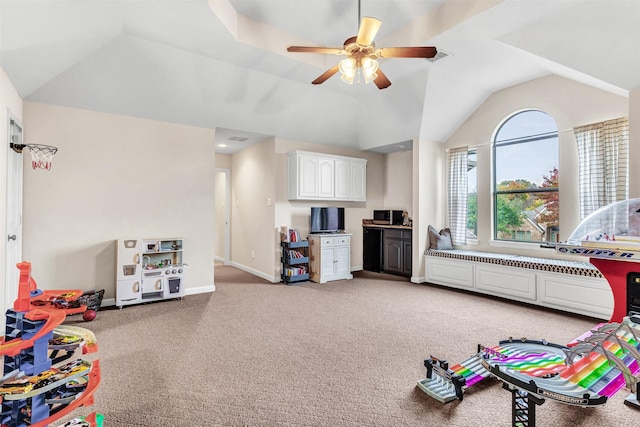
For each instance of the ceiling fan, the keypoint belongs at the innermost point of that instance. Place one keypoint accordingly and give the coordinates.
(362, 55)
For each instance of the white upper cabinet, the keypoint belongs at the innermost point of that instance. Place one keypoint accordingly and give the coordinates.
(316, 176)
(358, 179)
(326, 180)
(343, 179)
(307, 179)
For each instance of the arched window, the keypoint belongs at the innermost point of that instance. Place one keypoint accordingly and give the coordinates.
(525, 177)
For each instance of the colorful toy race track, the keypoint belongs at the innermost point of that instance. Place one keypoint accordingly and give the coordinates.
(532, 357)
(33, 392)
(449, 383)
(597, 366)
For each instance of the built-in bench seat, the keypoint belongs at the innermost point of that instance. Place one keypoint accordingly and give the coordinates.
(573, 286)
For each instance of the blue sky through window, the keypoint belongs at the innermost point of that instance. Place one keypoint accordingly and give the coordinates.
(529, 160)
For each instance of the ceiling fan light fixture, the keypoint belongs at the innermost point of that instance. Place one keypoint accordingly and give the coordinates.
(369, 67)
(369, 79)
(348, 79)
(348, 67)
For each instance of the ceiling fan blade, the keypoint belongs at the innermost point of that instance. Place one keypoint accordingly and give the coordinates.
(330, 72)
(312, 49)
(381, 81)
(368, 29)
(407, 52)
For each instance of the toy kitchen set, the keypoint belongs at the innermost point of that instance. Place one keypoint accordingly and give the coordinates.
(149, 270)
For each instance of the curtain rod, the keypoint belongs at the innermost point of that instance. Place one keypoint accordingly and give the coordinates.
(559, 132)
(489, 143)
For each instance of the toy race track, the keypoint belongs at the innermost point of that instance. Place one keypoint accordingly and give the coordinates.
(38, 388)
(597, 366)
(532, 357)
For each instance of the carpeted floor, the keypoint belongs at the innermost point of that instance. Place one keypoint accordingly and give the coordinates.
(344, 353)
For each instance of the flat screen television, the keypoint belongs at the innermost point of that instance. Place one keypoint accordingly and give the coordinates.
(327, 220)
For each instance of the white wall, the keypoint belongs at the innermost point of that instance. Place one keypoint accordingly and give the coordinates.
(9, 101)
(252, 218)
(634, 143)
(219, 212)
(114, 177)
(223, 161)
(570, 104)
(398, 181)
(429, 198)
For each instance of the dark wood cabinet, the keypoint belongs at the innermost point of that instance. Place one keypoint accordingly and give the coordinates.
(406, 255)
(388, 249)
(397, 251)
(372, 249)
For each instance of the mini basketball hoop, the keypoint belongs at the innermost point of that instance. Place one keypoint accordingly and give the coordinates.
(41, 155)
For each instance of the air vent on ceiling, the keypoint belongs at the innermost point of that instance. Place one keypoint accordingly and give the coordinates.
(237, 138)
(441, 54)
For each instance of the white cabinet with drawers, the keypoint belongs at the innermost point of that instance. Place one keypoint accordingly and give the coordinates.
(329, 257)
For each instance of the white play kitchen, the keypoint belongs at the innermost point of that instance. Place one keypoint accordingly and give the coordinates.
(149, 270)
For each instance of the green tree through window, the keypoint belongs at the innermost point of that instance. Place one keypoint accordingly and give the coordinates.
(526, 199)
(472, 195)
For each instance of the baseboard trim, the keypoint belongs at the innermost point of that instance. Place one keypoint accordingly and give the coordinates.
(200, 290)
(272, 279)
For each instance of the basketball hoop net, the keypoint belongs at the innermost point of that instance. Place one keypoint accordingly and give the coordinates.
(41, 155)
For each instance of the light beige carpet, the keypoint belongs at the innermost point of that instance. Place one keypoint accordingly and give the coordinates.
(345, 353)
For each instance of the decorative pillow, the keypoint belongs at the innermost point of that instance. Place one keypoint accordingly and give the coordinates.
(441, 240)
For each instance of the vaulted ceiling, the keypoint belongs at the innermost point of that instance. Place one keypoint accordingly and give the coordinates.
(223, 63)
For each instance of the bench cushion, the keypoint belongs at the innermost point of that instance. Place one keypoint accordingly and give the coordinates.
(534, 263)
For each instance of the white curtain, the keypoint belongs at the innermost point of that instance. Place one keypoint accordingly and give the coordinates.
(603, 164)
(458, 193)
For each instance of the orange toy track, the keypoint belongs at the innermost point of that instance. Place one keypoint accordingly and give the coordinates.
(54, 316)
(85, 399)
(15, 346)
(50, 307)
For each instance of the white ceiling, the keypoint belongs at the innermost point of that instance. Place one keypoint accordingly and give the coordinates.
(223, 63)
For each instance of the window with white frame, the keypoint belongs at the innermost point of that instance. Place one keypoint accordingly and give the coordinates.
(525, 178)
(472, 195)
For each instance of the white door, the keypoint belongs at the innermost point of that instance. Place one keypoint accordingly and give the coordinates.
(222, 215)
(13, 238)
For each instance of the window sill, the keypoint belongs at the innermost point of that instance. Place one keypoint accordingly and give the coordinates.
(518, 245)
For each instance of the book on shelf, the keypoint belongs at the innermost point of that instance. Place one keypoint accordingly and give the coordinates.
(294, 235)
(294, 254)
(294, 271)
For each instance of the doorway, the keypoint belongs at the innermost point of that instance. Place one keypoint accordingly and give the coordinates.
(13, 238)
(222, 216)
